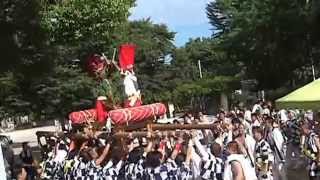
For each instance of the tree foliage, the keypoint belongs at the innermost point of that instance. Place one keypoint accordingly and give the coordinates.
(220, 74)
(40, 40)
(92, 23)
(271, 38)
(154, 44)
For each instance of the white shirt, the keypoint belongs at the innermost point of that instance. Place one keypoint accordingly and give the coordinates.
(279, 141)
(248, 170)
(266, 111)
(129, 85)
(2, 166)
(250, 143)
(247, 115)
(257, 107)
(283, 115)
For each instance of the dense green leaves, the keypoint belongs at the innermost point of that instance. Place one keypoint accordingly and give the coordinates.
(154, 44)
(271, 38)
(80, 21)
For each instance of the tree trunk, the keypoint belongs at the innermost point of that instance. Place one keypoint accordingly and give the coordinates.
(224, 101)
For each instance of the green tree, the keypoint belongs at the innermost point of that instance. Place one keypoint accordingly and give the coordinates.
(85, 25)
(271, 38)
(220, 74)
(154, 44)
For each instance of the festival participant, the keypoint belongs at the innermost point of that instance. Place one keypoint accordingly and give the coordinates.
(188, 118)
(134, 167)
(181, 161)
(22, 173)
(131, 88)
(246, 144)
(263, 155)
(311, 149)
(257, 107)
(266, 110)
(255, 120)
(277, 142)
(236, 166)
(222, 116)
(245, 118)
(28, 161)
(213, 167)
(293, 133)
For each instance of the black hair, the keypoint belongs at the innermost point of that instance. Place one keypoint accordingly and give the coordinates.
(257, 129)
(175, 121)
(135, 155)
(24, 144)
(153, 159)
(116, 154)
(181, 157)
(235, 121)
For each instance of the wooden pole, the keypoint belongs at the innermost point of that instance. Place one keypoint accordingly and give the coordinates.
(166, 127)
(150, 127)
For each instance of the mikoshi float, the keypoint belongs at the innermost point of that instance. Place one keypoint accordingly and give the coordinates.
(133, 111)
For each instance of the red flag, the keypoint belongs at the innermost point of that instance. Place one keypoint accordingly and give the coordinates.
(126, 59)
(101, 111)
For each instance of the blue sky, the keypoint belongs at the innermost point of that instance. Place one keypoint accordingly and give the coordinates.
(186, 17)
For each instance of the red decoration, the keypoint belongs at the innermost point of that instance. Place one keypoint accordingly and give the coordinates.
(121, 116)
(136, 114)
(101, 112)
(96, 65)
(126, 58)
(136, 104)
(83, 116)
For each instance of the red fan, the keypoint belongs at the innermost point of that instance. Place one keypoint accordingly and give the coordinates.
(126, 58)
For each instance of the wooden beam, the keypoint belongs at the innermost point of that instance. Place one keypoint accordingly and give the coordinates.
(168, 127)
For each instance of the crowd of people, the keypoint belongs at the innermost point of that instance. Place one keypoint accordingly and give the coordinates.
(244, 144)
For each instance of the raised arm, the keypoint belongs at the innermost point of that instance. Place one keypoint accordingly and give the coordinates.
(202, 151)
(103, 155)
(150, 144)
(177, 148)
(237, 171)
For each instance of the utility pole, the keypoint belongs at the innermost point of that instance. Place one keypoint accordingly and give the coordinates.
(310, 49)
(313, 72)
(200, 71)
(312, 64)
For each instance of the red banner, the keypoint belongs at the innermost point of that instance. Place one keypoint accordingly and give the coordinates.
(126, 58)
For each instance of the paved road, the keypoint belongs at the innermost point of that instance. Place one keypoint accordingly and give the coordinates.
(29, 135)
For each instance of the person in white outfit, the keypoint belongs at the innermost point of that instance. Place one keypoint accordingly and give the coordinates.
(277, 142)
(247, 144)
(131, 88)
(263, 155)
(236, 166)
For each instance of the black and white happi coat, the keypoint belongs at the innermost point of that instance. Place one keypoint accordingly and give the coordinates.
(311, 148)
(212, 168)
(264, 155)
